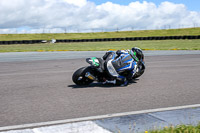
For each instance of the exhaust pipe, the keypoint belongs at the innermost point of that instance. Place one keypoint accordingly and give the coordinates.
(90, 76)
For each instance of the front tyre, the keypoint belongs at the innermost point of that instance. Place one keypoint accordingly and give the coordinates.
(79, 76)
(140, 72)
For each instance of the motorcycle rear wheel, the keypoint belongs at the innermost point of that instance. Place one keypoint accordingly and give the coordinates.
(79, 76)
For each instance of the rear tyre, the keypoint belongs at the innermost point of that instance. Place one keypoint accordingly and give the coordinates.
(79, 76)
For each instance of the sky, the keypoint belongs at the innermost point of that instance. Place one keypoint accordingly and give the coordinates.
(64, 16)
(192, 5)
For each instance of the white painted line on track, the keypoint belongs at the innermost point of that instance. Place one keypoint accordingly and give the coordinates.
(42, 124)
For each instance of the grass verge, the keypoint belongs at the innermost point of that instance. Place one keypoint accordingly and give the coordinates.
(178, 129)
(140, 33)
(104, 46)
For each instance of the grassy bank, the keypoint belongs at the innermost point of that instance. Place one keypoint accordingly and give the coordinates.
(141, 33)
(104, 46)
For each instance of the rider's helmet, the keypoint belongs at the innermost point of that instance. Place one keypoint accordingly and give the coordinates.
(137, 52)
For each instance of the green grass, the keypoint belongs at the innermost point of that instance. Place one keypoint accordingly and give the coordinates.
(104, 46)
(178, 129)
(142, 33)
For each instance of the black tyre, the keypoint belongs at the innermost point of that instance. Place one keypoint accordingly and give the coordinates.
(141, 71)
(79, 76)
(138, 74)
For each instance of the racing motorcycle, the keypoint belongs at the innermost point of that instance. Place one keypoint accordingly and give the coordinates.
(98, 71)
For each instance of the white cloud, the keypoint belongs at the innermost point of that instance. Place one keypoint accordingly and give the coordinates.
(83, 15)
(79, 3)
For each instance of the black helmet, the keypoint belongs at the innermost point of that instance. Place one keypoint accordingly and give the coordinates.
(138, 53)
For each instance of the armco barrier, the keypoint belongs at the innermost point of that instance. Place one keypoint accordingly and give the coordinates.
(103, 39)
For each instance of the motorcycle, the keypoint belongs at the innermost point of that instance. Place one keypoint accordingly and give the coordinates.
(98, 71)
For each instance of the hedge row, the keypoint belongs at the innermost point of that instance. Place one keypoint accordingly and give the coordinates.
(104, 39)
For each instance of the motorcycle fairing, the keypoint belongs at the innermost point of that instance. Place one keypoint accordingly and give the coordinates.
(111, 69)
(93, 61)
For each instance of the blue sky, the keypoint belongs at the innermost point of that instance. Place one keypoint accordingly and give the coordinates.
(193, 5)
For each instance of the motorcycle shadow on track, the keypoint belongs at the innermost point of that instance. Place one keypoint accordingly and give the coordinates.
(92, 85)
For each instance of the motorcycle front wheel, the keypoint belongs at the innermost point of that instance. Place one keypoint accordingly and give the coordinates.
(79, 76)
(141, 71)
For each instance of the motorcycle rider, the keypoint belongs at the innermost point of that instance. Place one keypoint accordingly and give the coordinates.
(120, 62)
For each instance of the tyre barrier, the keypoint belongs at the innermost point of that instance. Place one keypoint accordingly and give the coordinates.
(20, 42)
(157, 38)
(103, 39)
(128, 39)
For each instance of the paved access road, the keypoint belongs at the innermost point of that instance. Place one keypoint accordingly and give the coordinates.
(41, 91)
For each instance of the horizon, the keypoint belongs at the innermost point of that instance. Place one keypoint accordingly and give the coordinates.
(102, 32)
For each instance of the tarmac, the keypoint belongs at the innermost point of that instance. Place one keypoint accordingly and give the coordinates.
(32, 56)
(137, 121)
(130, 122)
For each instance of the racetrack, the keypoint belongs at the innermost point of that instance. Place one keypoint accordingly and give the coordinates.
(40, 91)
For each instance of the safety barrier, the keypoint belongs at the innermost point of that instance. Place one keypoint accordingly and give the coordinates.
(102, 39)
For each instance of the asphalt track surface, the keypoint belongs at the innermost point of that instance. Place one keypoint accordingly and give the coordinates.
(41, 91)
